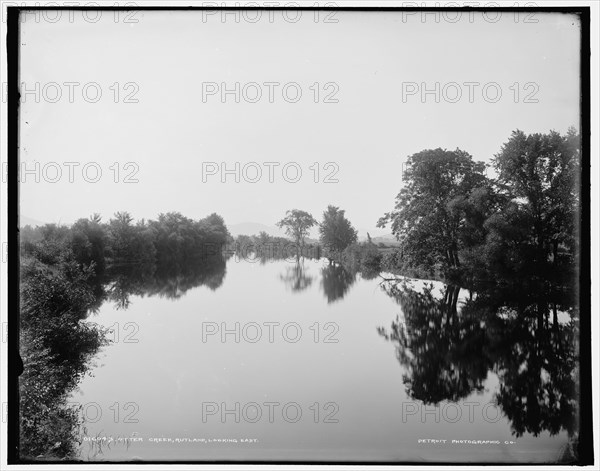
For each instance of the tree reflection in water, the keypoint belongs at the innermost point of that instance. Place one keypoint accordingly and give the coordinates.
(58, 349)
(438, 345)
(335, 279)
(336, 282)
(296, 277)
(165, 281)
(447, 349)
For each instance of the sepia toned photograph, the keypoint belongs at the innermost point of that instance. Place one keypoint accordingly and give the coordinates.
(306, 234)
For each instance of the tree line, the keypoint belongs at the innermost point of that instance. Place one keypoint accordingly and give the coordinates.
(451, 218)
(67, 272)
(170, 239)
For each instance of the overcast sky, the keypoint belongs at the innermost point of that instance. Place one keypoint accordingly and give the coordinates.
(371, 59)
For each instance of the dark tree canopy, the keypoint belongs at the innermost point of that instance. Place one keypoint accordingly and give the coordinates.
(425, 218)
(540, 173)
(449, 216)
(336, 231)
(297, 224)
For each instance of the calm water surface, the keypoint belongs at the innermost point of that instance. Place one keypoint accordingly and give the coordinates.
(328, 375)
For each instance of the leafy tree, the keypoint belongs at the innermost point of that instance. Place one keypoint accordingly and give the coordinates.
(59, 288)
(121, 233)
(363, 257)
(179, 238)
(214, 233)
(539, 173)
(297, 224)
(263, 239)
(89, 241)
(336, 232)
(173, 234)
(143, 249)
(425, 219)
(56, 348)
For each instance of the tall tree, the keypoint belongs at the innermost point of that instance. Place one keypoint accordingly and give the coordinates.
(424, 219)
(89, 241)
(540, 173)
(336, 232)
(121, 234)
(297, 224)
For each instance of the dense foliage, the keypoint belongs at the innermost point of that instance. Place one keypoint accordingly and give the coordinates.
(451, 217)
(515, 232)
(67, 272)
(172, 238)
(336, 232)
(55, 347)
(297, 224)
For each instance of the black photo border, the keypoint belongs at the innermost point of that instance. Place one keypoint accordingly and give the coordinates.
(585, 445)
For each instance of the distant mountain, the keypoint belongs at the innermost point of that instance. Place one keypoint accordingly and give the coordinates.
(25, 221)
